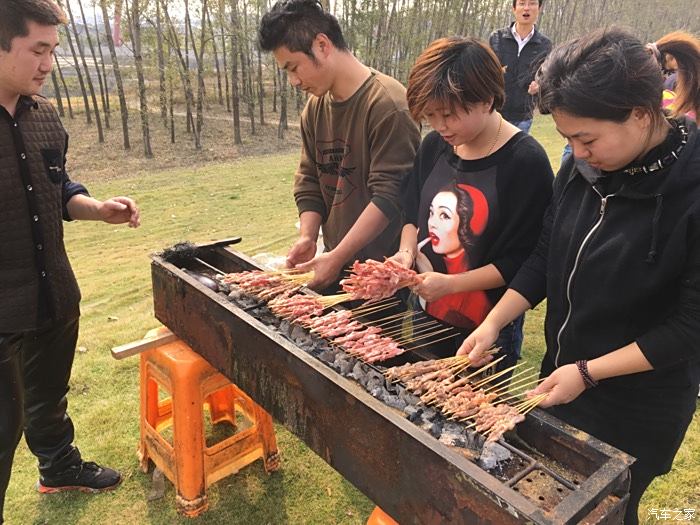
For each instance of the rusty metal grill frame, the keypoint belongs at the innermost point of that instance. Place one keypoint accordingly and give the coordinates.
(381, 452)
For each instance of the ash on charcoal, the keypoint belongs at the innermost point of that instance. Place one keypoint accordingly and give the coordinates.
(374, 382)
(392, 400)
(286, 328)
(412, 412)
(409, 398)
(343, 363)
(376, 391)
(492, 454)
(359, 372)
(327, 356)
(453, 435)
(434, 428)
(300, 336)
(429, 413)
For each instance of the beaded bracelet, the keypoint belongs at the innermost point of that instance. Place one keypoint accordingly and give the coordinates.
(585, 375)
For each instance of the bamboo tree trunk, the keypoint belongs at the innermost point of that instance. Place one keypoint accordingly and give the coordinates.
(235, 98)
(274, 87)
(247, 72)
(65, 87)
(88, 78)
(83, 91)
(188, 100)
(246, 91)
(102, 58)
(282, 126)
(174, 42)
(216, 60)
(224, 56)
(171, 102)
(161, 67)
(200, 77)
(105, 109)
(123, 109)
(261, 89)
(134, 16)
(57, 94)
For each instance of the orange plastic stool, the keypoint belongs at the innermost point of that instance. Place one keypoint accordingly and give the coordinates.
(379, 517)
(194, 385)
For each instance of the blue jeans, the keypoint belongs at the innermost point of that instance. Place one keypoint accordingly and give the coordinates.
(523, 125)
(510, 340)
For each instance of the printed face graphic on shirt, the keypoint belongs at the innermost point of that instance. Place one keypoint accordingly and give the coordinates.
(456, 218)
(334, 174)
(443, 224)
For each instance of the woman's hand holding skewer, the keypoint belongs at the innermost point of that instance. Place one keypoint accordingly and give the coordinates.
(434, 285)
(562, 386)
(477, 344)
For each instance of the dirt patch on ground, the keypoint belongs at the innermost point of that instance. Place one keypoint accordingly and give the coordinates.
(88, 160)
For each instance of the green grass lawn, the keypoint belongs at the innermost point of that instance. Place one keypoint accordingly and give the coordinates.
(251, 198)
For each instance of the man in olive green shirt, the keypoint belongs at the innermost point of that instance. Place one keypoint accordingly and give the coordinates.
(358, 142)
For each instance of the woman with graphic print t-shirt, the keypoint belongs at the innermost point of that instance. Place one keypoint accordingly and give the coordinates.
(477, 193)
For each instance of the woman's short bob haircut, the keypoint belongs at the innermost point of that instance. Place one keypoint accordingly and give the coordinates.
(458, 72)
(603, 75)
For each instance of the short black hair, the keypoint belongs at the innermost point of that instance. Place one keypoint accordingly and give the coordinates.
(16, 13)
(603, 75)
(540, 2)
(458, 71)
(295, 24)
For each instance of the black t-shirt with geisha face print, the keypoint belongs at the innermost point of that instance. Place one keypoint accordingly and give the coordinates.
(471, 213)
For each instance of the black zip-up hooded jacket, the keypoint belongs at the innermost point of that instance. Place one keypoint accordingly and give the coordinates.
(519, 70)
(620, 268)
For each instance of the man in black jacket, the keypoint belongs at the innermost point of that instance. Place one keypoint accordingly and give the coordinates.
(521, 48)
(39, 296)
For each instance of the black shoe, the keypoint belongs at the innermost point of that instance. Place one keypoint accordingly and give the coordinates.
(85, 477)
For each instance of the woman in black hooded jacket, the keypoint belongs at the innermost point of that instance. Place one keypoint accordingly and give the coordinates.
(618, 259)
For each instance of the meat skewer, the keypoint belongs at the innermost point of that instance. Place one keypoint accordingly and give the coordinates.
(373, 280)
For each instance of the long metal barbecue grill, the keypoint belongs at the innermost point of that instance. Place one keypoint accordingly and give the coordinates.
(556, 473)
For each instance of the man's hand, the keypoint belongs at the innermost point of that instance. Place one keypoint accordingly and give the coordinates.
(478, 342)
(533, 88)
(434, 285)
(119, 210)
(562, 386)
(326, 268)
(302, 251)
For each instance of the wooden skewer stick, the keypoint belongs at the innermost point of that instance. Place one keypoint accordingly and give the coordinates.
(536, 400)
(534, 405)
(409, 340)
(488, 379)
(507, 388)
(424, 327)
(389, 319)
(364, 310)
(381, 302)
(517, 396)
(399, 318)
(399, 329)
(486, 367)
(509, 381)
(450, 336)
